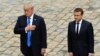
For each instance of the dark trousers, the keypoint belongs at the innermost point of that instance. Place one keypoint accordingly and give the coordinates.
(79, 54)
(28, 52)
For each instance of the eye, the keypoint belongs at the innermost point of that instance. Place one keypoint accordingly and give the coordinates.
(76, 15)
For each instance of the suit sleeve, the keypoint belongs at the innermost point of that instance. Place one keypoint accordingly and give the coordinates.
(18, 29)
(69, 39)
(43, 33)
(91, 38)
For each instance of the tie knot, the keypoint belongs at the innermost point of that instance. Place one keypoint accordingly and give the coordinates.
(28, 17)
(77, 23)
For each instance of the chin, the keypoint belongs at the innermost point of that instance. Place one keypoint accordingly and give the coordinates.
(27, 15)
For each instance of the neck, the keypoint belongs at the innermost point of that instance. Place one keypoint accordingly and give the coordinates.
(30, 15)
(78, 20)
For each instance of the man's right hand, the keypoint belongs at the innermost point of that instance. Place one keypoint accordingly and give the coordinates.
(70, 54)
(27, 28)
(30, 27)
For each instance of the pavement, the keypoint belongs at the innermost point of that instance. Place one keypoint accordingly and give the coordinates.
(57, 14)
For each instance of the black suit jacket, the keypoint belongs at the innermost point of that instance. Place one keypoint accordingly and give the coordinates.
(38, 36)
(83, 43)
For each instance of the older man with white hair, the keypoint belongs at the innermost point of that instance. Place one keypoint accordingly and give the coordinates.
(32, 30)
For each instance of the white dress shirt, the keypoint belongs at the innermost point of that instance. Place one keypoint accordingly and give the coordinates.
(31, 19)
(79, 27)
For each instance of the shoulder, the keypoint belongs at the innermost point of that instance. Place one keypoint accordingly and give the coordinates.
(21, 17)
(87, 22)
(71, 22)
(38, 17)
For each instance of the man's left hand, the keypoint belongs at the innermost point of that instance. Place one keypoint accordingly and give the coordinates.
(43, 51)
(91, 54)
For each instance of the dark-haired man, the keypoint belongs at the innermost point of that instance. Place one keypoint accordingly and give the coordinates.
(80, 36)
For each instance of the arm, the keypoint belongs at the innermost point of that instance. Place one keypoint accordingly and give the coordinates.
(43, 33)
(18, 29)
(91, 38)
(69, 40)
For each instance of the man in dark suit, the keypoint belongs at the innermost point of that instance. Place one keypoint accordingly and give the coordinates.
(80, 36)
(32, 30)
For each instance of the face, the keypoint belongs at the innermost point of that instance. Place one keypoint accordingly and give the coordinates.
(28, 11)
(78, 16)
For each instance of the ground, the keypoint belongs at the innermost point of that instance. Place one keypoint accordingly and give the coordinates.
(57, 14)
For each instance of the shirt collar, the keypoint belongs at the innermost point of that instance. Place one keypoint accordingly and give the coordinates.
(31, 16)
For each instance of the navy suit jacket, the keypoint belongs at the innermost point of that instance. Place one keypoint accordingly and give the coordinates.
(83, 43)
(38, 36)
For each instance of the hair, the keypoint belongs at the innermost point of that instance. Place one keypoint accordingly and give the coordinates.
(79, 10)
(29, 5)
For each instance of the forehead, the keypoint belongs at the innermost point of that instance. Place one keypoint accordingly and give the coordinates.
(77, 12)
(27, 8)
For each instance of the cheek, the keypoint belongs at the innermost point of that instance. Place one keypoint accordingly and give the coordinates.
(30, 13)
(26, 13)
(79, 17)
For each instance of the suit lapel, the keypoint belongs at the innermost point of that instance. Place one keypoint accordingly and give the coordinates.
(34, 20)
(73, 27)
(25, 20)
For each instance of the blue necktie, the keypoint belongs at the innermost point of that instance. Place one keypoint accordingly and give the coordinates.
(28, 34)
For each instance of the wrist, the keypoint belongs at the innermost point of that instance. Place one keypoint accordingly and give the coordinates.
(91, 54)
(25, 30)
